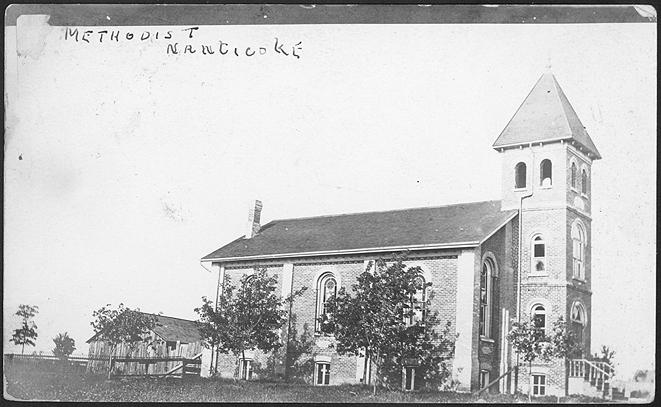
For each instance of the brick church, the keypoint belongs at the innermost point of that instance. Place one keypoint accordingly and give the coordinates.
(524, 256)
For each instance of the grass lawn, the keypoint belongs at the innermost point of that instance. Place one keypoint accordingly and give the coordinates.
(28, 384)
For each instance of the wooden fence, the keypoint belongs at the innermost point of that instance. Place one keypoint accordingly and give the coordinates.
(180, 367)
(73, 364)
(131, 358)
(183, 368)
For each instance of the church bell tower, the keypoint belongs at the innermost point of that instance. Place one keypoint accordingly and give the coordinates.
(547, 157)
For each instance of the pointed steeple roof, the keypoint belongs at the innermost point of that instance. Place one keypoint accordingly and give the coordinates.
(545, 115)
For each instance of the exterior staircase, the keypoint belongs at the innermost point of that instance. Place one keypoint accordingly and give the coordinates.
(590, 378)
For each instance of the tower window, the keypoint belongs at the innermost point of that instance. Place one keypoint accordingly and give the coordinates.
(326, 290)
(545, 173)
(486, 281)
(578, 249)
(538, 316)
(538, 255)
(520, 175)
(584, 182)
(573, 175)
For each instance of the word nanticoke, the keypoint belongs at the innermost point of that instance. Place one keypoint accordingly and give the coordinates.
(224, 48)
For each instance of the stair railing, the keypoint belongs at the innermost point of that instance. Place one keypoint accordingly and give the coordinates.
(596, 373)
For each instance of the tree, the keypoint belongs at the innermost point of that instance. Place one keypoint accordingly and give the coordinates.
(64, 345)
(298, 360)
(245, 317)
(606, 355)
(27, 333)
(374, 321)
(121, 325)
(532, 343)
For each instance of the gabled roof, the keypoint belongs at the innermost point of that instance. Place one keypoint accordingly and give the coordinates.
(545, 115)
(445, 226)
(172, 329)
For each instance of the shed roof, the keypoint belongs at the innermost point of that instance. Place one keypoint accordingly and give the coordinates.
(466, 223)
(545, 115)
(172, 329)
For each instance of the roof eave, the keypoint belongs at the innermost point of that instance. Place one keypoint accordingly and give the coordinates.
(497, 146)
(593, 151)
(493, 232)
(453, 245)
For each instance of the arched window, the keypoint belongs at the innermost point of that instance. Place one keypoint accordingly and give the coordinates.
(584, 182)
(578, 319)
(578, 249)
(538, 316)
(538, 255)
(326, 290)
(520, 175)
(545, 173)
(486, 282)
(418, 301)
(573, 175)
(578, 313)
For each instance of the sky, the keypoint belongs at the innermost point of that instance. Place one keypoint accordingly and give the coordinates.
(124, 164)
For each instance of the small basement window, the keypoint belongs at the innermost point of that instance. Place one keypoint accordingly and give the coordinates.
(538, 385)
(484, 378)
(322, 374)
(245, 369)
(409, 378)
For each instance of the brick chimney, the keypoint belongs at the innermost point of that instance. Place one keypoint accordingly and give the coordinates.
(253, 219)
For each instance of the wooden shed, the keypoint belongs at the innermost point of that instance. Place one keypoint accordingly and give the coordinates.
(171, 338)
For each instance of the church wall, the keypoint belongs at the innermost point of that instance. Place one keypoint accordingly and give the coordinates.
(579, 290)
(439, 267)
(306, 273)
(228, 364)
(490, 352)
(551, 224)
(548, 288)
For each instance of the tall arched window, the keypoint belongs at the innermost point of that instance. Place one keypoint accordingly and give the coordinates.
(538, 261)
(584, 182)
(418, 301)
(578, 319)
(578, 249)
(486, 282)
(545, 173)
(573, 175)
(326, 290)
(538, 316)
(520, 175)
